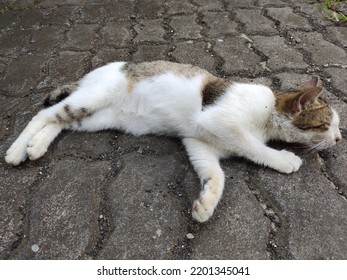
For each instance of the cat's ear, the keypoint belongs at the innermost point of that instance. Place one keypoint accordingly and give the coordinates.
(293, 103)
(312, 83)
(304, 98)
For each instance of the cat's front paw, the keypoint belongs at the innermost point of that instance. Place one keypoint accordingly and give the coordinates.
(286, 162)
(203, 208)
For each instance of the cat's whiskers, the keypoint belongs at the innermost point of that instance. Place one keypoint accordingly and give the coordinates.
(313, 147)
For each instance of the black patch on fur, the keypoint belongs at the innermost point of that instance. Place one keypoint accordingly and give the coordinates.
(213, 90)
(50, 102)
(69, 114)
(59, 118)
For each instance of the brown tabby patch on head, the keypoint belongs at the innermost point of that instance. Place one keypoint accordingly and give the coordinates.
(140, 71)
(306, 109)
(317, 116)
(213, 88)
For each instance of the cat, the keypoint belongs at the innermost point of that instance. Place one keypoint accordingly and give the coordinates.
(215, 118)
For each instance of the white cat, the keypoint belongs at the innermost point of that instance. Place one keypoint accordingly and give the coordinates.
(214, 117)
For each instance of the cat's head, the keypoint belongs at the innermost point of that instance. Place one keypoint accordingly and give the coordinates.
(309, 119)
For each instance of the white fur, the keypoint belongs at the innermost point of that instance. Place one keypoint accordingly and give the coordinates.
(239, 123)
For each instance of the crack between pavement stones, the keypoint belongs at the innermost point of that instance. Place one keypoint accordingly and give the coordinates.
(23, 226)
(315, 26)
(324, 171)
(103, 222)
(183, 249)
(276, 246)
(104, 212)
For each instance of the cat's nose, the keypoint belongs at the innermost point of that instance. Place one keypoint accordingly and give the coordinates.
(338, 137)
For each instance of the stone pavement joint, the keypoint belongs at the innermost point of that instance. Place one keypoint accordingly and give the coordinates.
(109, 195)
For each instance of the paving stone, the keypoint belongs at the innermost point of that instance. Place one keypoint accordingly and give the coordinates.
(104, 56)
(81, 37)
(9, 107)
(279, 54)
(151, 53)
(13, 191)
(336, 165)
(146, 225)
(92, 14)
(18, 4)
(338, 79)
(314, 11)
(220, 24)
(53, 4)
(241, 219)
(338, 34)
(272, 2)
(206, 5)
(9, 20)
(174, 7)
(62, 15)
(148, 145)
(63, 212)
(13, 42)
(194, 53)
(32, 18)
(288, 19)
(237, 56)
(179, 25)
(150, 8)
(292, 81)
(116, 34)
(322, 52)
(149, 30)
(315, 214)
(231, 4)
(22, 74)
(84, 144)
(255, 23)
(45, 39)
(119, 10)
(67, 67)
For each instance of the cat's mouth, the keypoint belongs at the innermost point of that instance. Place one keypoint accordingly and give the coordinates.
(322, 145)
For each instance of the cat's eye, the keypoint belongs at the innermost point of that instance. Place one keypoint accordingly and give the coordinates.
(323, 127)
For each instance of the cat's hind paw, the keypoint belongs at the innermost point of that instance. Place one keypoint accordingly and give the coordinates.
(286, 162)
(16, 154)
(36, 148)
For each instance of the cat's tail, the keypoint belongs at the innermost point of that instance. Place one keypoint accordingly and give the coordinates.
(59, 94)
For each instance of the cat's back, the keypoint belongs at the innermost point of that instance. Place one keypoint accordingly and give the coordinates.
(145, 70)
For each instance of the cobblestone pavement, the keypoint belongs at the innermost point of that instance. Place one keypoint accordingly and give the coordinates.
(109, 195)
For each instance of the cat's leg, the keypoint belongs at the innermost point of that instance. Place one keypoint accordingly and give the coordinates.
(39, 143)
(48, 123)
(256, 151)
(205, 160)
(17, 152)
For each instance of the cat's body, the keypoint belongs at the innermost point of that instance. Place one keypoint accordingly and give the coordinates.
(214, 118)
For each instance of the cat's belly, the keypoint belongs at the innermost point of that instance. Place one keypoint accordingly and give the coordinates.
(166, 105)
(153, 122)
